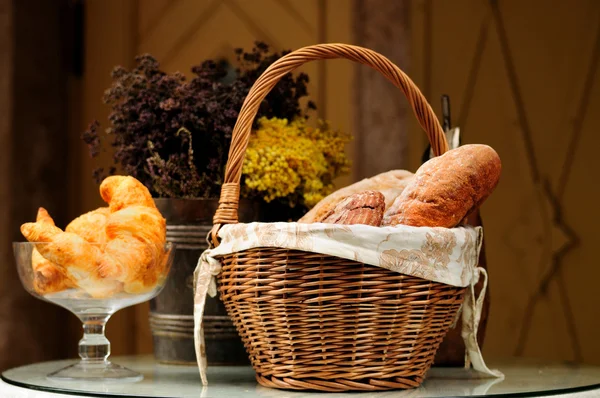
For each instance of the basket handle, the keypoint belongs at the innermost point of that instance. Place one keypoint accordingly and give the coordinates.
(230, 191)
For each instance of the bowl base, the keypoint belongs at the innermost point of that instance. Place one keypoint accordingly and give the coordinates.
(104, 371)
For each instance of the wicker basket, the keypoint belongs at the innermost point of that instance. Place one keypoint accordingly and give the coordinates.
(316, 322)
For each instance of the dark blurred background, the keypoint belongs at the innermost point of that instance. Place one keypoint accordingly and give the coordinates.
(522, 76)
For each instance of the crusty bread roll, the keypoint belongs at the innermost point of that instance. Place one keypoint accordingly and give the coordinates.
(361, 208)
(447, 188)
(390, 184)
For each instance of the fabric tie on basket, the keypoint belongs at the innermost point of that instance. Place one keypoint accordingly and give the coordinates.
(471, 315)
(437, 254)
(206, 271)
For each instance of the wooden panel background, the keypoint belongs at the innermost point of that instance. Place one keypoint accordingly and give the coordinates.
(6, 67)
(381, 110)
(523, 77)
(34, 66)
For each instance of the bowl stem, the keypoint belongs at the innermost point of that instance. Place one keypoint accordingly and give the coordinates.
(94, 346)
(94, 349)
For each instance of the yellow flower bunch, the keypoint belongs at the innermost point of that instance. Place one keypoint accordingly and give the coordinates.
(293, 162)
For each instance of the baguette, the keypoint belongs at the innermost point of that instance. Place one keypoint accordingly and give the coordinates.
(447, 188)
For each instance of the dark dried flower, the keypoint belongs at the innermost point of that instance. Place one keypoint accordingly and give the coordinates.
(150, 109)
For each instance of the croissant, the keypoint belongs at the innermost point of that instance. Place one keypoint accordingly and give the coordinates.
(90, 226)
(73, 253)
(123, 191)
(44, 217)
(47, 276)
(135, 233)
(114, 248)
(135, 247)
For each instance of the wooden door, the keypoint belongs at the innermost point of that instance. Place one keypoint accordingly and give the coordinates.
(523, 77)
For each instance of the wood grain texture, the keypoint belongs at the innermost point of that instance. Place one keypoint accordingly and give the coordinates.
(33, 77)
(6, 57)
(380, 114)
(6, 258)
(111, 39)
(522, 84)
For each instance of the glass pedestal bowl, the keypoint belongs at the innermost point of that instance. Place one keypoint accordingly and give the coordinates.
(92, 299)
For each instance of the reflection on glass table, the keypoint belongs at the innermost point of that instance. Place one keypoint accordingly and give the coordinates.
(523, 378)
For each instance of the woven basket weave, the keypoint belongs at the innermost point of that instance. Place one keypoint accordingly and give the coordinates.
(316, 322)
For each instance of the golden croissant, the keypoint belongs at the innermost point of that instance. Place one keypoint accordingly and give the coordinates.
(47, 276)
(91, 225)
(135, 247)
(79, 258)
(135, 233)
(123, 191)
(119, 247)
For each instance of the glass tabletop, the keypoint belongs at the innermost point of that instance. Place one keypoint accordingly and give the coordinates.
(522, 378)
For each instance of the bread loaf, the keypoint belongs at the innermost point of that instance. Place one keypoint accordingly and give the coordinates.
(447, 188)
(361, 208)
(390, 184)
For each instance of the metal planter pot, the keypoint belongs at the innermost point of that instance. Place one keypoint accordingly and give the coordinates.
(171, 312)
